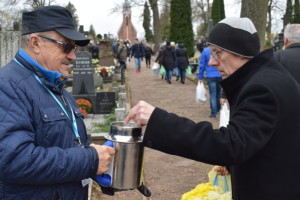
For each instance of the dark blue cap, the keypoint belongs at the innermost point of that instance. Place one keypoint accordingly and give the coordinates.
(54, 18)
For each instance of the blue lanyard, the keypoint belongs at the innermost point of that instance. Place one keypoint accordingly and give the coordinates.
(73, 120)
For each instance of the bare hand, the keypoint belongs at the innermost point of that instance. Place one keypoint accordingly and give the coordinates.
(140, 113)
(221, 170)
(105, 154)
(222, 101)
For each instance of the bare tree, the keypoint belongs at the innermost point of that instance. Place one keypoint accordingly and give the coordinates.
(256, 10)
(155, 12)
(201, 10)
(9, 12)
(275, 12)
(39, 3)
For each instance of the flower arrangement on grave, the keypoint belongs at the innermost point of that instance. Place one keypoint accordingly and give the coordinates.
(206, 191)
(105, 71)
(84, 106)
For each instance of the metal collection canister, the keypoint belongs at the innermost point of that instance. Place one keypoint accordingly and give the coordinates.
(127, 169)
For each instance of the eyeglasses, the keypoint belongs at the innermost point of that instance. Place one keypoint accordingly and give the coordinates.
(67, 46)
(215, 54)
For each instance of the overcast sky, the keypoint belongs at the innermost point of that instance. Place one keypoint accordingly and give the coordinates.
(98, 13)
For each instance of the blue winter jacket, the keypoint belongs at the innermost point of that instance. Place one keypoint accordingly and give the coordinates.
(40, 159)
(211, 71)
(137, 50)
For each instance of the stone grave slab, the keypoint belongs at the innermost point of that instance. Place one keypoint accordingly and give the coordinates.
(83, 76)
(105, 102)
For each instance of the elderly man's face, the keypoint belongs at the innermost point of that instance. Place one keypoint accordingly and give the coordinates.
(53, 57)
(227, 63)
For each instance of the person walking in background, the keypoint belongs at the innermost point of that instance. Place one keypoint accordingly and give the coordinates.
(115, 47)
(148, 54)
(168, 61)
(122, 54)
(200, 45)
(213, 78)
(289, 57)
(175, 70)
(137, 50)
(44, 147)
(261, 141)
(182, 59)
(159, 56)
(128, 47)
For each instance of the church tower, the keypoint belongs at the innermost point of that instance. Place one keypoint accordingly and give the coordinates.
(127, 30)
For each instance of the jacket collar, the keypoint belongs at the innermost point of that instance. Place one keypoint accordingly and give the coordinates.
(294, 45)
(236, 81)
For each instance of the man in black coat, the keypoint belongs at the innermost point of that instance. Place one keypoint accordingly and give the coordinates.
(261, 141)
(289, 57)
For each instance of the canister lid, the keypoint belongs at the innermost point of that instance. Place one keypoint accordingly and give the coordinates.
(121, 132)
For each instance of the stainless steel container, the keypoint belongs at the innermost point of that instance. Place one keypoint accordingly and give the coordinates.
(127, 169)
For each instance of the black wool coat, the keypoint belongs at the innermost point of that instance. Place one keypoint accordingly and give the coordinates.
(261, 142)
(182, 57)
(289, 59)
(168, 57)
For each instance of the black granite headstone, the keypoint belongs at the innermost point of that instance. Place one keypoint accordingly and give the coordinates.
(105, 102)
(83, 78)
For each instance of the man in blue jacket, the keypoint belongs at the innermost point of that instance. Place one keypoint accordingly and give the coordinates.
(44, 150)
(213, 78)
(137, 50)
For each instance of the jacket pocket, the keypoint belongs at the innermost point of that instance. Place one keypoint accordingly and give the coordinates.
(55, 127)
(52, 115)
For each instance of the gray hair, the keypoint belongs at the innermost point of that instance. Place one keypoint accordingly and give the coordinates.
(292, 32)
(25, 38)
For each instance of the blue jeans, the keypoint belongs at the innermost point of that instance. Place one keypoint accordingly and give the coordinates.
(215, 94)
(137, 63)
(182, 74)
(169, 74)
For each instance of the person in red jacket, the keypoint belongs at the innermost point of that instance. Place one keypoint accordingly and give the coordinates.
(261, 142)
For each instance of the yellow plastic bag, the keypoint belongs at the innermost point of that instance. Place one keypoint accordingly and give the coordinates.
(218, 187)
(212, 175)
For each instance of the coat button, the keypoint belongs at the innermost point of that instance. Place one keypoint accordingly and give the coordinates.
(45, 116)
(62, 113)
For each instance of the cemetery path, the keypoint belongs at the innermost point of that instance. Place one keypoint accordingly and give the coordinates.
(167, 176)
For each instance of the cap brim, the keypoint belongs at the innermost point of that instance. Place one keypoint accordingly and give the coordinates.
(74, 35)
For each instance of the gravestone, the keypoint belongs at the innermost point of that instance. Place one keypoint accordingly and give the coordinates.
(120, 114)
(83, 79)
(105, 102)
(106, 53)
(83, 74)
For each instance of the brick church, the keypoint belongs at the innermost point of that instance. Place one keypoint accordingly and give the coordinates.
(127, 30)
